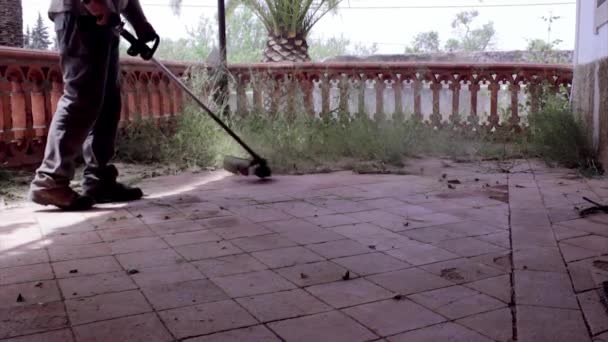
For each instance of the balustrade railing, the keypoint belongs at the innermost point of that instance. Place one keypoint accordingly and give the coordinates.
(471, 95)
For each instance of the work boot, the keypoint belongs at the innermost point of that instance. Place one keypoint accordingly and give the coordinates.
(63, 198)
(107, 190)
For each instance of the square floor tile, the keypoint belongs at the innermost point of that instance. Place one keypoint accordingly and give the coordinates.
(539, 259)
(241, 230)
(229, 265)
(371, 263)
(462, 270)
(249, 284)
(208, 250)
(161, 257)
(373, 236)
(256, 333)
(338, 249)
(186, 293)
(190, 238)
(176, 226)
(331, 326)
(140, 328)
(61, 253)
(550, 324)
(206, 318)
(284, 257)
(498, 287)
(137, 245)
(16, 258)
(21, 274)
(106, 306)
(432, 234)
(260, 213)
(125, 233)
(349, 293)
(282, 305)
(468, 247)
(441, 332)
(313, 235)
(284, 226)
(314, 273)
(22, 320)
(456, 301)
(495, 324)
(92, 285)
(64, 335)
(82, 267)
(412, 280)
(31, 293)
(544, 289)
(162, 275)
(594, 311)
(387, 317)
(421, 254)
(263, 242)
(301, 209)
(328, 221)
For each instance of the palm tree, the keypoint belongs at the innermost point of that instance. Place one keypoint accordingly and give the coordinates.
(11, 23)
(288, 23)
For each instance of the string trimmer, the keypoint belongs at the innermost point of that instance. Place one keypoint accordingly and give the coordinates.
(257, 165)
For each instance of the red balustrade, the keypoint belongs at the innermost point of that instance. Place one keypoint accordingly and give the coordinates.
(488, 96)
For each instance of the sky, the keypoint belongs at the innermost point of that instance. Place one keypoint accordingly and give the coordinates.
(391, 24)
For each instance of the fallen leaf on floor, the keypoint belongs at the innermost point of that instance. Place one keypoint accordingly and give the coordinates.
(520, 186)
(346, 276)
(73, 271)
(451, 186)
(132, 271)
(38, 284)
(303, 276)
(371, 247)
(398, 297)
(454, 181)
(451, 274)
(139, 216)
(20, 299)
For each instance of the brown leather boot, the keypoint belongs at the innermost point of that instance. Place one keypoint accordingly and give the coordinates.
(63, 198)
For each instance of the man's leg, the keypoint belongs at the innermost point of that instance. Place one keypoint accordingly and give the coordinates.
(99, 148)
(84, 56)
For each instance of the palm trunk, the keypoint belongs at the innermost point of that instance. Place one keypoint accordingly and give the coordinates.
(285, 49)
(11, 23)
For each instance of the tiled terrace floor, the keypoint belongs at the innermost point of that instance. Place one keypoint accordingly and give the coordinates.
(493, 256)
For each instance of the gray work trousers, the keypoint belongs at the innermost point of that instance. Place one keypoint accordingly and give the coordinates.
(87, 116)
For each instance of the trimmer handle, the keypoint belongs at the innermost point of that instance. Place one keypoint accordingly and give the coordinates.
(138, 47)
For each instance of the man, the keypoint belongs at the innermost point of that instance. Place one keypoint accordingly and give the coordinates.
(88, 113)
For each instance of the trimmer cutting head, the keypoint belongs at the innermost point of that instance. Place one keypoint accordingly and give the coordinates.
(245, 167)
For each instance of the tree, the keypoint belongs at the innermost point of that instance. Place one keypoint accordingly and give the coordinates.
(323, 48)
(11, 23)
(425, 42)
(26, 37)
(469, 38)
(39, 37)
(543, 48)
(287, 22)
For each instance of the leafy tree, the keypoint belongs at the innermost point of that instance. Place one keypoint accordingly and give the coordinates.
(469, 38)
(425, 42)
(322, 48)
(361, 49)
(39, 37)
(26, 38)
(543, 48)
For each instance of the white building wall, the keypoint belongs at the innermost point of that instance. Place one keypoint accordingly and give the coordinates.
(590, 45)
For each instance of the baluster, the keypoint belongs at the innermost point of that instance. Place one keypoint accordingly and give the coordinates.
(307, 88)
(474, 90)
(398, 116)
(417, 99)
(165, 93)
(534, 96)
(56, 91)
(362, 86)
(155, 97)
(144, 96)
(241, 95)
(494, 119)
(5, 109)
(132, 106)
(258, 103)
(436, 116)
(380, 86)
(291, 96)
(38, 103)
(455, 88)
(178, 99)
(18, 108)
(275, 96)
(515, 119)
(325, 86)
(344, 86)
